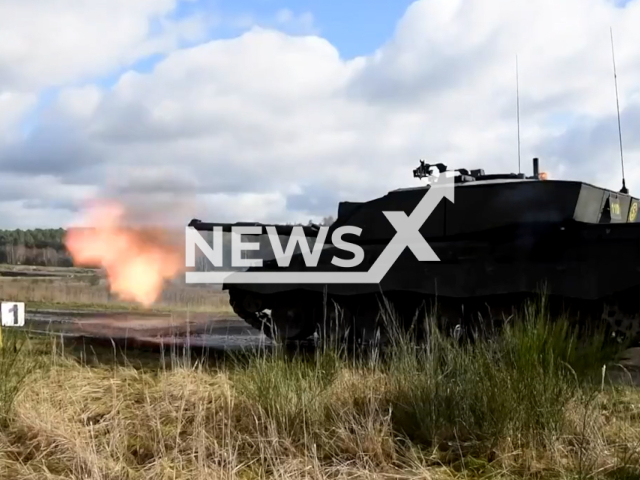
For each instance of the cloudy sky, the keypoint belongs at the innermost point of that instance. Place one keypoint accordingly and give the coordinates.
(275, 110)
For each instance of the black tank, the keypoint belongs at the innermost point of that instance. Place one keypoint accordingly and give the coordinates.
(504, 238)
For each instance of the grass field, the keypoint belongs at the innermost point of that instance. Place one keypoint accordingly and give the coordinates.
(532, 403)
(79, 288)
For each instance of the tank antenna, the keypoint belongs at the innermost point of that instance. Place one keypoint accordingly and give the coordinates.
(615, 80)
(518, 111)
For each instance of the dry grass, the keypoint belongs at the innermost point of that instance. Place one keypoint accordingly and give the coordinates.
(89, 291)
(527, 405)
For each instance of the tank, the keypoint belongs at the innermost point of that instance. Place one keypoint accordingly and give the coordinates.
(504, 238)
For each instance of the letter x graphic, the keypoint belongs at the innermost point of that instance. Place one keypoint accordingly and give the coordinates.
(408, 228)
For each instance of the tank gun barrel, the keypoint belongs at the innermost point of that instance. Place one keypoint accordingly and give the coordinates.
(309, 230)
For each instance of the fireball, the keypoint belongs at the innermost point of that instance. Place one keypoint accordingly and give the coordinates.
(137, 261)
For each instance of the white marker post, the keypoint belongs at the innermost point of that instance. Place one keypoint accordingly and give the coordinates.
(12, 316)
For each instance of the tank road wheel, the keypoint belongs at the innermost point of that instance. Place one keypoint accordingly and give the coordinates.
(249, 308)
(293, 322)
(624, 323)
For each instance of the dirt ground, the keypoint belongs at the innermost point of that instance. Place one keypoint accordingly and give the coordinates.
(152, 329)
(211, 330)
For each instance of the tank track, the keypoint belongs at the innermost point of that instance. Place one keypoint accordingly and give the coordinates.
(361, 316)
(623, 318)
(352, 318)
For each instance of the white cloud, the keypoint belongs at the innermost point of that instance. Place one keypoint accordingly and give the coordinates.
(77, 103)
(44, 42)
(39, 201)
(13, 107)
(273, 127)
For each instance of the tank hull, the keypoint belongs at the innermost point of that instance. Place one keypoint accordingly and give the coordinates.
(586, 268)
(579, 261)
(498, 243)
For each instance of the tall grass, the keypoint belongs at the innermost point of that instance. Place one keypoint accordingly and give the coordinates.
(15, 368)
(527, 403)
(516, 385)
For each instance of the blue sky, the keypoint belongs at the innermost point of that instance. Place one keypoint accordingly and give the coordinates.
(354, 27)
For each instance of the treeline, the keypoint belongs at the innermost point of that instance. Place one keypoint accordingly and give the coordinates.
(40, 246)
(45, 246)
